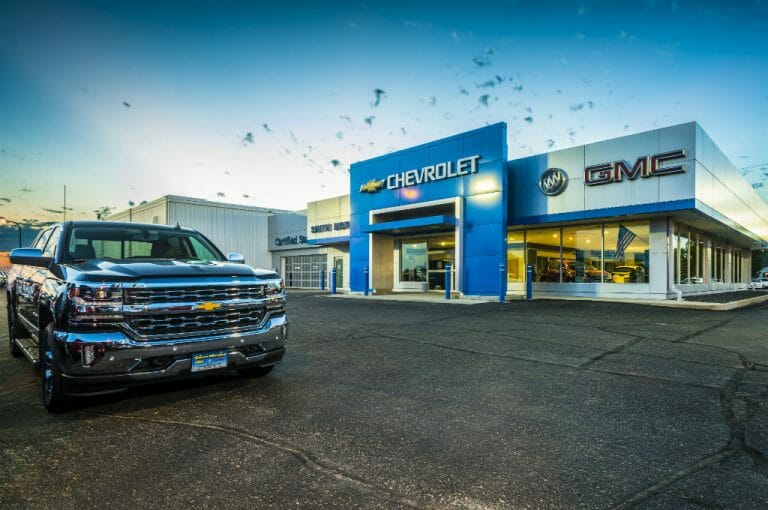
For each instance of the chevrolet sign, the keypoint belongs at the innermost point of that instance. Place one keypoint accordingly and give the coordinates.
(429, 173)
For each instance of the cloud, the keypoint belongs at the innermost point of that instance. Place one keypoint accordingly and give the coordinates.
(54, 211)
(8, 200)
(484, 99)
(25, 190)
(486, 84)
(417, 24)
(460, 36)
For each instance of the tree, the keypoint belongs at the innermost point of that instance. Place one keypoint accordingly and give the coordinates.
(102, 212)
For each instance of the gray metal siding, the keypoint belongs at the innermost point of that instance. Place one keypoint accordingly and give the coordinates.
(231, 229)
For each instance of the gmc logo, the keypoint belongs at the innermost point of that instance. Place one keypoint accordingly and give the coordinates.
(646, 166)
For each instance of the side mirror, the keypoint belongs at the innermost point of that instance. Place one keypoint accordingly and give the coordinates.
(30, 257)
(236, 258)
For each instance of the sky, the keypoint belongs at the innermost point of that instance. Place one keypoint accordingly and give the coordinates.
(268, 104)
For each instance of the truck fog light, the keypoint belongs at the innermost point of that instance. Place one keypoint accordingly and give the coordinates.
(88, 355)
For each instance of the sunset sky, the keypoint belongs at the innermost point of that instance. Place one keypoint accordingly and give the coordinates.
(269, 104)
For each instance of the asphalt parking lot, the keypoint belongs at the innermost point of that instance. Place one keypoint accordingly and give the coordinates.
(543, 404)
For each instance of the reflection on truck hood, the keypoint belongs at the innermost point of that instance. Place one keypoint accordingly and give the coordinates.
(100, 270)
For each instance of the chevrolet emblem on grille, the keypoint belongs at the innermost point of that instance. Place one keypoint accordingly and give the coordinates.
(208, 307)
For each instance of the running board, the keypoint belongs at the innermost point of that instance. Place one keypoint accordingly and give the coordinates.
(29, 348)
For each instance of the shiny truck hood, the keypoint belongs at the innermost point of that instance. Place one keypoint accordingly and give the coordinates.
(105, 270)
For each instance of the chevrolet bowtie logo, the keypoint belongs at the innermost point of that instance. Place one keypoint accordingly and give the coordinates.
(209, 307)
(372, 186)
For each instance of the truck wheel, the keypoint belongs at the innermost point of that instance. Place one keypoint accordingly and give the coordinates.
(14, 332)
(255, 371)
(53, 392)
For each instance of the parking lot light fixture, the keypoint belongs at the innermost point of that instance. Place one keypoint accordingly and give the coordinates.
(6, 221)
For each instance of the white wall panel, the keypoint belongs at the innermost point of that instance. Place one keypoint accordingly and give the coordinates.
(720, 185)
(232, 229)
(330, 211)
(151, 212)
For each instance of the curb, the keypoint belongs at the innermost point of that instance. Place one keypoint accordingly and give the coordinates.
(689, 305)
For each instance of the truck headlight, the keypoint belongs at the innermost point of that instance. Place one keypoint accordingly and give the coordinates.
(274, 287)
(94, 305)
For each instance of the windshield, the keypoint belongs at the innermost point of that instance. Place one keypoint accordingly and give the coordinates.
(121, 243)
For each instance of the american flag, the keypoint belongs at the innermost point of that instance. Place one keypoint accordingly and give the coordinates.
(626, 237)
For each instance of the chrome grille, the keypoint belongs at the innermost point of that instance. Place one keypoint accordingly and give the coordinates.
(196, 322)
(148, 296)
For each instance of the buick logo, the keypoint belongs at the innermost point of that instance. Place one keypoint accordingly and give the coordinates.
(553, 181)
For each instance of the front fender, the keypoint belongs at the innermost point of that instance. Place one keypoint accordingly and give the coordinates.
(52, 298)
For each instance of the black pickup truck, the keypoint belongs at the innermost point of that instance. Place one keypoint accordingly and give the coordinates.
(99, 306)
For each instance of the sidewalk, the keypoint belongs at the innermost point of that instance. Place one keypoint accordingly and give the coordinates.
(415, 298)
(690, 303)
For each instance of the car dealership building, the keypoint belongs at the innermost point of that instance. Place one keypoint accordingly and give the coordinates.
(650, 215)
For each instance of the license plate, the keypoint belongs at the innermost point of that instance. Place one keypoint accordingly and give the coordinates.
(209, 360)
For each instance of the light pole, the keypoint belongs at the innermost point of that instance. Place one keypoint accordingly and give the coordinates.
(5, 221)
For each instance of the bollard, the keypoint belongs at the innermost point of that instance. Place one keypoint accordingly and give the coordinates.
(447, 281)
(502, 283)
(529, 281)
(365, 292)
(333, 281)
(322, 280)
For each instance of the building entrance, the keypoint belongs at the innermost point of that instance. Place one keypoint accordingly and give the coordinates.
(423, 263)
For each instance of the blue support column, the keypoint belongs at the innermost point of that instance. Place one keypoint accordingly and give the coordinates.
(447, 281)
(333, 281)
(366, 281)
(322, 280)
(529, 281)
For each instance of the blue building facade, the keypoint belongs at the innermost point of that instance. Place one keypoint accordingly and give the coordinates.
(655, 214)
(454, 190)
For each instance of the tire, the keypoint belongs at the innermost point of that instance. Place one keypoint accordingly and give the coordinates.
(14, 332)
(255, 371)
(52, 385)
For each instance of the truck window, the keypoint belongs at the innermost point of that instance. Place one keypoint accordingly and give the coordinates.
(53, 242)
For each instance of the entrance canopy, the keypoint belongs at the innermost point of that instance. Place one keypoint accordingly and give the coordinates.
(413, 225)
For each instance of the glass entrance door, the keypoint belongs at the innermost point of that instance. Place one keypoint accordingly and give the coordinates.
(338, 263)
(440, 254)
(423, 263)
(413, 265)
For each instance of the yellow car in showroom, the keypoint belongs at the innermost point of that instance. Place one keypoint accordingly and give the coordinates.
(629, 274)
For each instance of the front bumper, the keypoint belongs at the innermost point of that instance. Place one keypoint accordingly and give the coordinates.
(120, 361)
